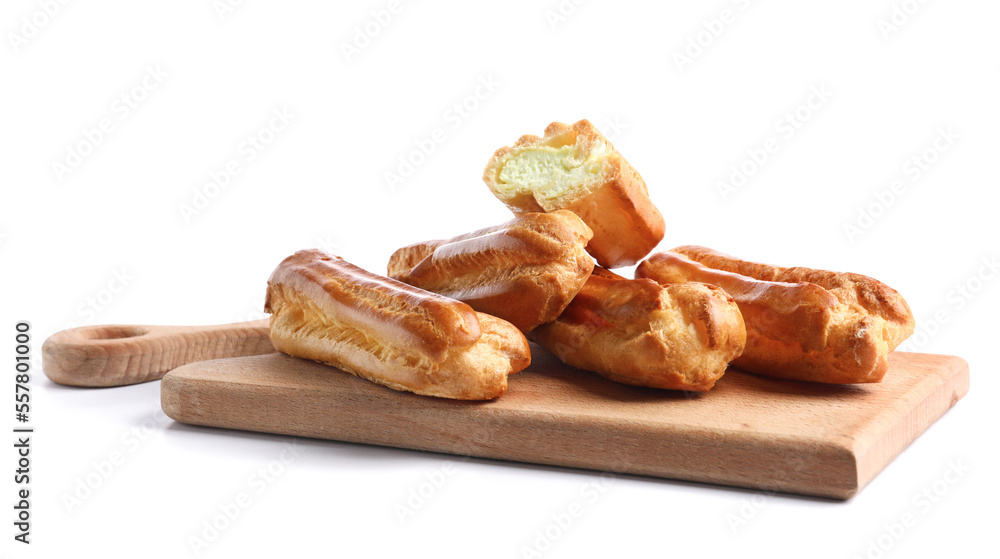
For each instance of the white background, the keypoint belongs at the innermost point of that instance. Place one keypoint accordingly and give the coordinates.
(321, 181)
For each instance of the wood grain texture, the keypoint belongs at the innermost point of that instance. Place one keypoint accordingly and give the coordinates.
(116, 355)
(749, 431)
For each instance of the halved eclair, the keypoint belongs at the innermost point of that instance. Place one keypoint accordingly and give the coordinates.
(575, 168)
(326, 309)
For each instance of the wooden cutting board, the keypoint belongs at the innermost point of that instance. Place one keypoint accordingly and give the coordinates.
(749, 431)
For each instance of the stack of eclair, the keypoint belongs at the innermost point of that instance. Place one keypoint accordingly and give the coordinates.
(453, 317)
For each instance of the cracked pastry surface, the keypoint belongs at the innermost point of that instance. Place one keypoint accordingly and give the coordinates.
(681, 336)
(802, 323)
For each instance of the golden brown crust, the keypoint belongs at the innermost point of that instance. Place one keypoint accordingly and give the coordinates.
(617, 207)
(851, 289)
(524, 271)
(326, 309)
(682, 336)
(801, 323)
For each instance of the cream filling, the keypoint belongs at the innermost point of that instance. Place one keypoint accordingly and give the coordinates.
(551, 172)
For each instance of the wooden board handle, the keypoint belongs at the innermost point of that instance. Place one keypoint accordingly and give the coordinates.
(116, 355)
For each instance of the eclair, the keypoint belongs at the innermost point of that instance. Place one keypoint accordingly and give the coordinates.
(525, 271)
(328, 310)
(801, 323)
(575, 168)
(634, 331)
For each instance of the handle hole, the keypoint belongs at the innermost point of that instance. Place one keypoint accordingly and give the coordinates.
(115, 332)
